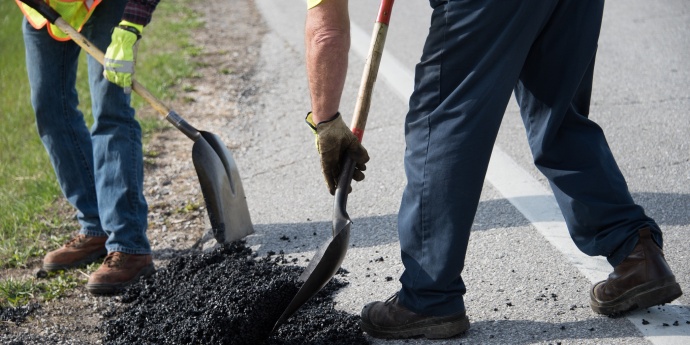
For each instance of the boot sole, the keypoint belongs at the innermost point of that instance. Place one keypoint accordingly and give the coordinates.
(644, 296)
(85, 261)
(440, 329)
(105, 289)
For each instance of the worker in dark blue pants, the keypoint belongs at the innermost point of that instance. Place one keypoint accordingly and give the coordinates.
(546, 55)
(476, 54)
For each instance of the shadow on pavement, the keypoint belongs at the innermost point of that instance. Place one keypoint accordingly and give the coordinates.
(666, 208)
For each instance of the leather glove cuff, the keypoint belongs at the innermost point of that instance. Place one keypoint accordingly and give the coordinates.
(313, 126)
(310, 121)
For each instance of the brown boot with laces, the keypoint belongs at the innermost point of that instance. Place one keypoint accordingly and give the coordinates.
(80, 250)
(642, 280)
(391, 320)
(118, 271)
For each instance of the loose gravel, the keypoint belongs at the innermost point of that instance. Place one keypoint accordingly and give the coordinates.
(19, 314)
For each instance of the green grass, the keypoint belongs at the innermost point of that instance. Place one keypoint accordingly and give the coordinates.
(34, 218)
(18, 292)
(28, 183)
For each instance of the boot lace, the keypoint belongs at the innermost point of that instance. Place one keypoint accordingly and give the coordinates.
(391, 299)
(75, 241)
(114, 259)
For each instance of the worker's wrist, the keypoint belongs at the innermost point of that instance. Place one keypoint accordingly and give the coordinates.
(313, 124)
(318, 118)
(136, 29)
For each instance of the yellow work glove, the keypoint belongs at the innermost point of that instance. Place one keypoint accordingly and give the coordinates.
(333, 140)
(120, 57)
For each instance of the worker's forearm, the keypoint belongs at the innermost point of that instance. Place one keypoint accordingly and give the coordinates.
(327, 36)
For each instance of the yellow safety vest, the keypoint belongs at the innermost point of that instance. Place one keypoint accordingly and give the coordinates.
(74, 12)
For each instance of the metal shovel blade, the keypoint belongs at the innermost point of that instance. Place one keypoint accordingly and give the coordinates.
(320, 270)
(222, 189)
(331, 254)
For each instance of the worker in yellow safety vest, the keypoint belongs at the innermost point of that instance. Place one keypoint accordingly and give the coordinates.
(100, 171)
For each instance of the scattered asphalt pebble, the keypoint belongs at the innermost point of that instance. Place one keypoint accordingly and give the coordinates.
(40, 273)
(228, 296)
(19, 314)
(645, 322)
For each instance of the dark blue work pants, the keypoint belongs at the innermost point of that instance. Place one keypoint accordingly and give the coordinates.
(476, 54)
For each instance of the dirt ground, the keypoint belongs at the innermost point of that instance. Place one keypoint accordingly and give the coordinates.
(230, 41)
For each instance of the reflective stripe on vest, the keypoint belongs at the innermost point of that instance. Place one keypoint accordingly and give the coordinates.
(74, 12)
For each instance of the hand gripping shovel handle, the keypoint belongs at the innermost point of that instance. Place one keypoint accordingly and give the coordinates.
(328, 258)
(52, 16)
(359, 119)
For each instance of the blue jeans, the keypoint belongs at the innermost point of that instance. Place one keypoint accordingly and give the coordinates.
(100, 172)
(476, 54)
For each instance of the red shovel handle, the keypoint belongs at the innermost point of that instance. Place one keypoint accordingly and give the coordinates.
(385, 12)
(371, 69)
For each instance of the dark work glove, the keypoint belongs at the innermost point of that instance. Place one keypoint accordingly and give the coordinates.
(333, 140)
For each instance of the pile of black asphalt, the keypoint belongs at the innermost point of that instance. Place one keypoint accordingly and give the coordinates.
(228, 296)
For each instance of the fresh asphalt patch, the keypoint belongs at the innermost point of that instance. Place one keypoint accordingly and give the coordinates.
(228, 296)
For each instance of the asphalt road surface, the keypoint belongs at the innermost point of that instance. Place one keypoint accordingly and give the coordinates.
(527, 284)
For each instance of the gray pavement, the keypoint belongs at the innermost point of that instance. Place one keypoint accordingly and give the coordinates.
(521, 289)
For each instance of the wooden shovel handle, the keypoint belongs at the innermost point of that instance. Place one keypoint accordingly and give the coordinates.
(371, 69)
(359, 120)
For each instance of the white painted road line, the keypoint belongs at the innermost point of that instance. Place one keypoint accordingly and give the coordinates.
(390, 69)
(539, 206)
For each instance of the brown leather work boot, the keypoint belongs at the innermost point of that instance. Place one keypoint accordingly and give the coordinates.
(390, 320)
(642, 280)
(118, 271)
(80, 250)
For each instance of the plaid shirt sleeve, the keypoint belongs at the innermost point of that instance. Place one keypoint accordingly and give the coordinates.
(139, 11)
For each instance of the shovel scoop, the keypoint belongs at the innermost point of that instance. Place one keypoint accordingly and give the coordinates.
(331, 254)
(218, 175)
(222, 189)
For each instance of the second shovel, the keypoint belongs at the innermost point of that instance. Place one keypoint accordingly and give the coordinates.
(218, 175)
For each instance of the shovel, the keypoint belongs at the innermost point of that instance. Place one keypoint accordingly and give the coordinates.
(218, 175)
(331, 254)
